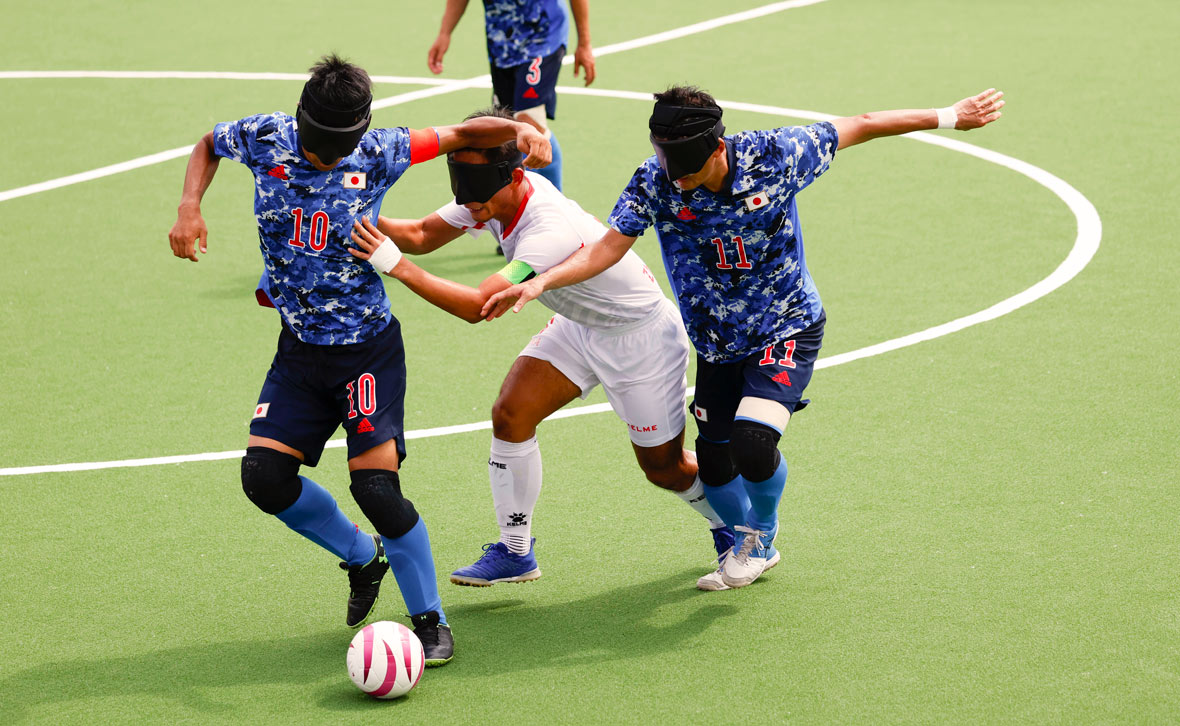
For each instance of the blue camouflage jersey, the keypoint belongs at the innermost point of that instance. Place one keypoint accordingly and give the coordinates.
(521, 30)
(324, 294)
(735, 258)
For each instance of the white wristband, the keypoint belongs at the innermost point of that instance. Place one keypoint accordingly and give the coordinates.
(947, 118)
(385, 257)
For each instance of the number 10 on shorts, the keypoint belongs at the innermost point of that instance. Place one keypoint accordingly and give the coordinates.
(362, 392)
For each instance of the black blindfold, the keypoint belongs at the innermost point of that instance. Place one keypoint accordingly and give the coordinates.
(331, 133)
(684, 137)
(479, 182)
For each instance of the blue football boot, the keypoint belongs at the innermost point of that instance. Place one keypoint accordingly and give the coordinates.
(498, 564)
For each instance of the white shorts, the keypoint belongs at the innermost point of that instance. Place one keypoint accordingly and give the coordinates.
(642, 369)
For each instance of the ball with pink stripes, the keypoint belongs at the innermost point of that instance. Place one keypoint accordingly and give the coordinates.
(385, 660)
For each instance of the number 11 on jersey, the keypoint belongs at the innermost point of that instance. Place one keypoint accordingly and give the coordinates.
(723, 264)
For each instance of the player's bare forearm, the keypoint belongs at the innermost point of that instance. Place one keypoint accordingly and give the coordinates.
(189, 233)
(587, 262)
(584, 53)
(583, 264)
(485, 132)
(438, 49)
(198, 175)
(970, 113)
(457, 299)
(418, 236)
(451, 15)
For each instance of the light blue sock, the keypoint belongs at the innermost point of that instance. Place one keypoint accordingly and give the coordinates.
(730, 501)
(765, 496)
(413, 566)
(316, 516)
(552, 172)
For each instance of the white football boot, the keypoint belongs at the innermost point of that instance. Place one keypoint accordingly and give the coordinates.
(753, 553)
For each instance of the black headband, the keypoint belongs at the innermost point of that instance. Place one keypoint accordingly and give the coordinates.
(337, 119)
(674, 122)
(330, 133)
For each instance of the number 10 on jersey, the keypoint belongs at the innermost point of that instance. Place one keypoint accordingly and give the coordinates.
(319, 230)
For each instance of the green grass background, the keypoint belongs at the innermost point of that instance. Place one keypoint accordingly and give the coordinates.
(981, 528)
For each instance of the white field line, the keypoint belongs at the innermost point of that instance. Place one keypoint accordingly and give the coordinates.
(209, 76)
(1089, 236)
(441, 86)
(1086, 243)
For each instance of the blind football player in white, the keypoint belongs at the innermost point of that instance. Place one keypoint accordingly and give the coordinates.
(616, 329)
(724, 211)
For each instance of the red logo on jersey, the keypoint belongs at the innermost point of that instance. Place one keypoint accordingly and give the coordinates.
(364, 427)
(783, 378)
(686, 214)
(531, 93)
(279, 172)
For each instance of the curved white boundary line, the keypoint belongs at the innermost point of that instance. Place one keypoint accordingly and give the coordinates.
(1089, 236)
(1085, 245)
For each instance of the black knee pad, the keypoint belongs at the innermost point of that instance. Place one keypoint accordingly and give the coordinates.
(270, 478)
(378, 492)
(755, 449)
(714, 464)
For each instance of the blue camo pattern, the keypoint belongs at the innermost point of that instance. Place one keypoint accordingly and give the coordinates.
(733, 309)
(520, 30)
(325, 296)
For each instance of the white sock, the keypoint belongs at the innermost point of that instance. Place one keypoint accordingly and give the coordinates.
(515, 473)
(695, 497)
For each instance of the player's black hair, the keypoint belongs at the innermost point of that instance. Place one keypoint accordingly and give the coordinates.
(504, 152)
(337, 83)
(686, 96)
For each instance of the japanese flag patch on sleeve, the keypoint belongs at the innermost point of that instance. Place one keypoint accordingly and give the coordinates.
(354, 180)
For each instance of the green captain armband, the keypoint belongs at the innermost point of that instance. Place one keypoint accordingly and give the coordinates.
(517, 271)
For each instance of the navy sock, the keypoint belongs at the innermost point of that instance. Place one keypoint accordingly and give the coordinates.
(730, 501)
(765, 496)
(552, 172)
(413, 566)
(316, 516)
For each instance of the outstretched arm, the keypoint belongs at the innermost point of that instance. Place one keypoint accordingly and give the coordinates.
(484, 132)
(587, 262)
(418, 236)
(450, 18)
(457, 299)
(970, 113)
(190, 225)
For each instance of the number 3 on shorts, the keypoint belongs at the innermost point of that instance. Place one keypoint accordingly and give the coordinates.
(366, 384)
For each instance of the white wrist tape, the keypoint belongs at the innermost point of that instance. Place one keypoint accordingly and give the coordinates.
(947, 118)
(385, 257)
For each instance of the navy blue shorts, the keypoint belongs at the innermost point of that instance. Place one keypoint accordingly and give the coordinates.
(778, 373)
(529, 84)
(310, 390)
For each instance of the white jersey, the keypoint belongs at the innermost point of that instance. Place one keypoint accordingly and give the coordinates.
(548, 228)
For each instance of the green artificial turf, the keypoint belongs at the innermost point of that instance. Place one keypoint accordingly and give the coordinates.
(978, 529)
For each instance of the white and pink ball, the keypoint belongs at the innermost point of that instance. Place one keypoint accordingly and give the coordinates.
(385, 660)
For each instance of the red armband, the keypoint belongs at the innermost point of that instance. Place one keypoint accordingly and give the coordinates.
(423, 145)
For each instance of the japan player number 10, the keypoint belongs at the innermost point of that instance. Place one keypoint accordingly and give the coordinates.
(319, 230)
